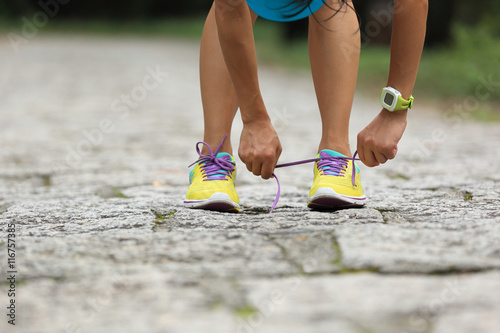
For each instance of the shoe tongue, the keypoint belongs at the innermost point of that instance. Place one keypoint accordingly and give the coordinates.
(335, 154)
(219, 155)
(331, 153)
(222, 172)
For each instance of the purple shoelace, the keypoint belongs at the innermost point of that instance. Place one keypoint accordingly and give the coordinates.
(216, 168)
(329, 165)
(213, 167)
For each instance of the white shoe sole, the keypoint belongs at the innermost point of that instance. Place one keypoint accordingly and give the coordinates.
(327, 198)
(218, 201)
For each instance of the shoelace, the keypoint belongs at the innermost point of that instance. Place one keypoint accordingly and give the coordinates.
(213, 167)
(329, 165)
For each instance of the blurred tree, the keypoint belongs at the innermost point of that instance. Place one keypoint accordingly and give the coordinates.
(442, 14)
(180, 8)
(486, 12)
(4, 10)
(295, 30)
(439, 22)
(472, 12)
(376, 22)
(19, 8)
(124, 9)
(374, 29)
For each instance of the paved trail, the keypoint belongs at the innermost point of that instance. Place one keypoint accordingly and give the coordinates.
(93, 181)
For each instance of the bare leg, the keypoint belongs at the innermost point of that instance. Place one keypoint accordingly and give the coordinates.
(334, 47)
(217, 91)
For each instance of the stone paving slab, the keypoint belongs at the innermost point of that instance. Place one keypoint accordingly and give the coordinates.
(95, 186)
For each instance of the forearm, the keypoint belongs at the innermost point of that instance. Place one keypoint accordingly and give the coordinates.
(378, 142)
(238, 47)
(407, 43)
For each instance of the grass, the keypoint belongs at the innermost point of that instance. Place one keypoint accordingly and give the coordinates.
(447, 76)
(179, 28)
(458, 70)
(160, 217)
(119, 194)
(245, 312)
(467, 196)
(163, 217)
(46, 180)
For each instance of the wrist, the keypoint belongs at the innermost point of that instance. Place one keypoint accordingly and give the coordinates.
(400, 115)
(255, 117)
(392, 99)
(254, 112)
(405, 88)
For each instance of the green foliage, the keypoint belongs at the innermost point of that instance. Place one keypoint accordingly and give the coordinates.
(273, 50)
(4, 10)
(473, 12)
(459, 70)
(467, 196)
(119, 194)
(176, 28)
(245, 312)
(160, 217)
(447, 74)
(98, 9)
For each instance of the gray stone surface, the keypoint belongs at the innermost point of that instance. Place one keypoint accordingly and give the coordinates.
(104, 244)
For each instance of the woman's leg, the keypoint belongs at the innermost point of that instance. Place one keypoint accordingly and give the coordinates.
(217, 91)
(334, 46)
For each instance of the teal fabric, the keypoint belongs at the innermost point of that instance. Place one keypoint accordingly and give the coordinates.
(335, 154)
(219, 155)
(280, 10)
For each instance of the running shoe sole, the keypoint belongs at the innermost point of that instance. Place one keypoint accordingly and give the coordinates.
(326, 198)
(220, 202)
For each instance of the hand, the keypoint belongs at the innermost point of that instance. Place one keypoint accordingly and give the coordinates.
(378, 142)
(260, 147)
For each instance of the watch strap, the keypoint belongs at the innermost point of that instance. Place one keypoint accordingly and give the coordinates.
(404, 104)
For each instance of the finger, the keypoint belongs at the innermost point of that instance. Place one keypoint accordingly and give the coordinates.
(248, 163)
(278, 153)
(249, 166)
(268, 168)
(245, 159)
(256, 168)
(391, 153)
(380, 158)
(361, 154)
(370, 159)
(360, 148)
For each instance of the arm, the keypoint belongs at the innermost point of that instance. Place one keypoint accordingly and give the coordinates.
(259, 145)
(377, 143)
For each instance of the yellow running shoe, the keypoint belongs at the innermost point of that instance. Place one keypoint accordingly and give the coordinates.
(334, 186)
(211, 183)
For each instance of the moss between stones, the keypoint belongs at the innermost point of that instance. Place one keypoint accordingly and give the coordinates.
(467, 196)
(119, 194)
(162, 218)
(245, 311)
(348, 270)
(47, 182)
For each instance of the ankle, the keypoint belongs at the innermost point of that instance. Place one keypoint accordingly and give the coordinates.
(225, 148)
(343, 148)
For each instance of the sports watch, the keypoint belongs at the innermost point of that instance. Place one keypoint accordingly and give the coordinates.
(392, 100)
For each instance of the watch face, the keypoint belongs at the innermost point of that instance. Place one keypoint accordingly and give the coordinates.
(388, 99)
